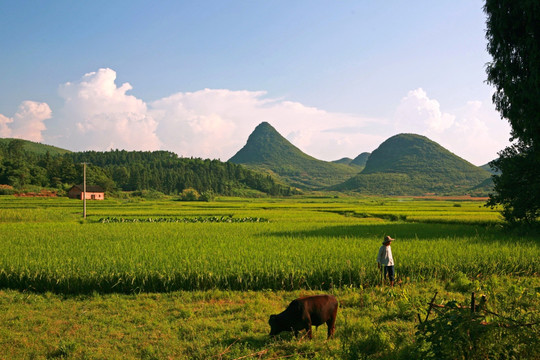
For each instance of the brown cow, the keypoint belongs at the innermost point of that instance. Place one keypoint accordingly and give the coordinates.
(304, 312)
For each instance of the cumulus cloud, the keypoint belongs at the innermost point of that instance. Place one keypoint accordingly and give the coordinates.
(474, 131)
(27, 123)
(5, 130)
(217, 123)
(418, 113)
(98, 115)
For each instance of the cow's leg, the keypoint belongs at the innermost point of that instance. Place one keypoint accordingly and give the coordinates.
(331, 323)
(331, 327)
(308, 327)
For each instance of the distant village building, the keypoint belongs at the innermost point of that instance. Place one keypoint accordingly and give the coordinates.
(93, 192)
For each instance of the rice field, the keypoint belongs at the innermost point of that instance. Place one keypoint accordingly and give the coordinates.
(306, 243)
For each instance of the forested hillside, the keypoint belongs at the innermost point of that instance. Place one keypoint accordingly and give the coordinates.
(409, 164)
(129, 171)
(33, 147)
(267, 150)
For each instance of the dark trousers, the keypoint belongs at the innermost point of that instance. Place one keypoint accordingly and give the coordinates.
(390, 271)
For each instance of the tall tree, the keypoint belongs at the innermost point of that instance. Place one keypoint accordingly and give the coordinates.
(513, 34)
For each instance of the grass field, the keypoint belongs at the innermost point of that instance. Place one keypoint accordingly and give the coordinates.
(169, 279)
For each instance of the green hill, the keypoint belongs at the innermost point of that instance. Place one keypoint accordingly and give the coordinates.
(408, 164)
(361, 159)
(487, 167)
(267, 150)
(344, 161)
(34, 147)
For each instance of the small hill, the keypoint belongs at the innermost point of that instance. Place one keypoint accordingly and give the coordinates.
(409, 164)
(487, 167)
(34, 147)
(345, 161)
(361, 159)
(267, 150)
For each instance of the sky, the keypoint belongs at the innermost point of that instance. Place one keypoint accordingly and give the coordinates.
(336, 78)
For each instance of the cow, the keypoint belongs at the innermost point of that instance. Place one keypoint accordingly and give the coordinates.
(304, 312)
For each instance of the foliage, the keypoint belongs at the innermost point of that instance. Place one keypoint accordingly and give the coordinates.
(408, 164)
(457, 332)
(158, 171)
(207, 195)
(267, 150)
(517, 188)
(513, 33)
(34, 147)
(190, 194)
(6, 190)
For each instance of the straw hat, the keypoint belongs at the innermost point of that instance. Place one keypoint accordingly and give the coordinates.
(387, 240)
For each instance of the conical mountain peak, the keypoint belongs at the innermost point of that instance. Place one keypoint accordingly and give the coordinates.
(267, 149)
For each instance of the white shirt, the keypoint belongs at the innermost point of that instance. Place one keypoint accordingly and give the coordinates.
(385, 256)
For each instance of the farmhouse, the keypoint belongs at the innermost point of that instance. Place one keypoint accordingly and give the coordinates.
(92, 192)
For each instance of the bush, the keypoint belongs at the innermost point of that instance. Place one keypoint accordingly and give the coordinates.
(207, 196)
(460, 333)
(460, 282)
(148, 194)
(6, 190)
(190, 194)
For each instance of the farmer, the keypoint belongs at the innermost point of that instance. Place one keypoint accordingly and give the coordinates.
(385, 259)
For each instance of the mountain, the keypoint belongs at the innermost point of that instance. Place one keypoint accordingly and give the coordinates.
(487, 167)
(361, 159)
(409, 164)
(268, 151)
(345, 161)
(34, 147)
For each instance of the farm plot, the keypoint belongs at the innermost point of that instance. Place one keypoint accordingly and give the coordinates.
(302, 244)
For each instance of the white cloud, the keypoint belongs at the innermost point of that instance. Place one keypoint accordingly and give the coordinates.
(27, 123)
(5, 130)
(474, 132)
(418, 113)
(98, 115)
(479, 133)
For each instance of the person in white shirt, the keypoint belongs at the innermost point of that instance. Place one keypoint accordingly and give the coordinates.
(385, 259)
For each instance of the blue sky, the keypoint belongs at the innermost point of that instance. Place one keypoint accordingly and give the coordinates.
(195, 77)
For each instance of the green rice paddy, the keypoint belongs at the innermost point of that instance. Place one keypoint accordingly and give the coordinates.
(308, 243)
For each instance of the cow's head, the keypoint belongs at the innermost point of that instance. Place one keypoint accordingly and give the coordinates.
(275, 327)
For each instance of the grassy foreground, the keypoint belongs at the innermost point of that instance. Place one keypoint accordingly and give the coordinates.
(166, 280)
(373, 323)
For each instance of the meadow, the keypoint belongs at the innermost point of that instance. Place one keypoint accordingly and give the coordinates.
(243, 259)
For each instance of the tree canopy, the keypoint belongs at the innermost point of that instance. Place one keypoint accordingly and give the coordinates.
(513, 34)
(161, 171)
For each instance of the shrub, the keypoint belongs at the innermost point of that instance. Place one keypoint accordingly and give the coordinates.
(460, 282)
(460, 333)
(190, 194)
(207, 196)
(6, 190)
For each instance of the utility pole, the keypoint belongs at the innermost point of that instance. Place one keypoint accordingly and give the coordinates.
(84, 190)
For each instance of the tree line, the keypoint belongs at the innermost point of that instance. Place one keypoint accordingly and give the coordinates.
(123, 170)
